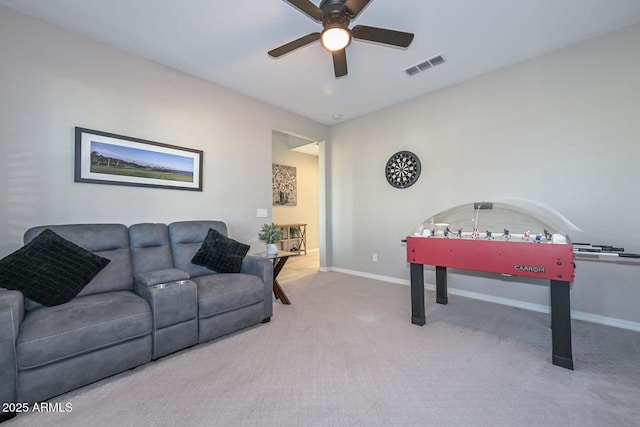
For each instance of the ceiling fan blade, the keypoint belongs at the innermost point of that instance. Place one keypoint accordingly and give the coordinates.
(340, 62)
(296, 44)
(381, 35)
(354, 7)
(308, 8)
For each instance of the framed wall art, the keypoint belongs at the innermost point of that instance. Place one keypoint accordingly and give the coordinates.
(107, 158)
(285, 191)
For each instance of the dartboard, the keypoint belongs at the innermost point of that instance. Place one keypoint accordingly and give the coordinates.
(403, 169)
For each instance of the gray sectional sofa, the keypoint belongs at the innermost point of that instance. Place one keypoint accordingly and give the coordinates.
(149, 301)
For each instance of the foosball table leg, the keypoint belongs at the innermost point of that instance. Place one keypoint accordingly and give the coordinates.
(441, 285)
(417, 294)
(562, 354)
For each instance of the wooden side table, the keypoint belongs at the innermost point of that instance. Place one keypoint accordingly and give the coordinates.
(279, 260)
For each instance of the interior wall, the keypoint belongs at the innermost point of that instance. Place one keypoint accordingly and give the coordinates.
(307, 210)
(52, 80)
(560, 130)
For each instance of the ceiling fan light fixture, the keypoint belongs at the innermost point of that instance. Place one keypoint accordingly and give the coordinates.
(336, 16)
(335, 38)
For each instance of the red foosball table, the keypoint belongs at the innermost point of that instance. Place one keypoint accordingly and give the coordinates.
(544, 261)
(520, 245)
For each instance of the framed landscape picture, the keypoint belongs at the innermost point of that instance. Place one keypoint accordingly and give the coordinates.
(107, 158)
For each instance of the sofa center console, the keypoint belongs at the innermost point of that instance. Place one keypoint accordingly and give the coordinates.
(175, 316)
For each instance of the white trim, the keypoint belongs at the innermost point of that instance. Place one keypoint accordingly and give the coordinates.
(313, 250)
(578, 315)
(324, 213)
(372, 276)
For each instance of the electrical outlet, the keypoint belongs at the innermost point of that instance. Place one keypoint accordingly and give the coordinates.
(374, 257)
(262, 212)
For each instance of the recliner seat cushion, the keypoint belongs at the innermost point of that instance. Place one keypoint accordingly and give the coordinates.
(220, 293)
(82, 325)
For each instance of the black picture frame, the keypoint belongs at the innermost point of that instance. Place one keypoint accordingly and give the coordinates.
(112, 159)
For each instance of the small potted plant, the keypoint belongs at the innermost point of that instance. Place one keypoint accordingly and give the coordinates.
(270, 234)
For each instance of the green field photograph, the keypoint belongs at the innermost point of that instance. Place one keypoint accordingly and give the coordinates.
(120, 160)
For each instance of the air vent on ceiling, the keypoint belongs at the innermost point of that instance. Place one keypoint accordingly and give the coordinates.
(425, 65)
(412, 71)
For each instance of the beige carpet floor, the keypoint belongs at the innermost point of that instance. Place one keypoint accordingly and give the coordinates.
(345, 354)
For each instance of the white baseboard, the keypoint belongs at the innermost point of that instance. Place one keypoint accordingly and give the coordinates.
(578, 315)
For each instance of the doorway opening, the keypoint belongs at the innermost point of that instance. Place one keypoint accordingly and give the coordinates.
(298, 200)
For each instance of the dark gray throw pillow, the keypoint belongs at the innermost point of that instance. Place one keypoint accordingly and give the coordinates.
(50, 270)
(220, 253)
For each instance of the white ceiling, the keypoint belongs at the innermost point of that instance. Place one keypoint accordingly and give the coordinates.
(226, 42)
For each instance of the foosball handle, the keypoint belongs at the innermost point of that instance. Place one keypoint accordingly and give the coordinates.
(625, 255)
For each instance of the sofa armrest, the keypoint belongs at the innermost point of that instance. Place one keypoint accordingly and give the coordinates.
(156, 277)
(11, 316)
(263, 268)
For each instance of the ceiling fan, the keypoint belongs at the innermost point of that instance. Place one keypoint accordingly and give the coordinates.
(335, 16)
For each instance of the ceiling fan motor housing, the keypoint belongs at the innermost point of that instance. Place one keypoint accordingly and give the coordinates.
(332, 6)
(334, 14)
(335, 21)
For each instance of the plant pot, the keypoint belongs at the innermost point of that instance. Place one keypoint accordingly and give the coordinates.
(272, 249)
